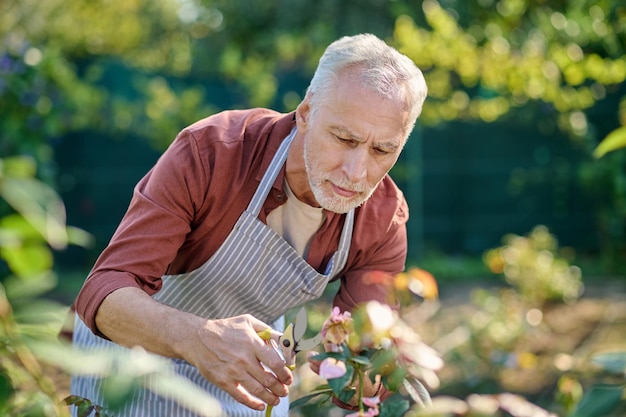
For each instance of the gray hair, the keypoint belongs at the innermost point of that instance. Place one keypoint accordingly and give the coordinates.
(381, 68)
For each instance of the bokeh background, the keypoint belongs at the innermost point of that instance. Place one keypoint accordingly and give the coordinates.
(520, 94)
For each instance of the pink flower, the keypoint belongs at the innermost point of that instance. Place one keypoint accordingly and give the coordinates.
(337, 328)
(371, 402)
(372, 412)
(332, 368)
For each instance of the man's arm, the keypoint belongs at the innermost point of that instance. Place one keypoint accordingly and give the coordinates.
(227, 352)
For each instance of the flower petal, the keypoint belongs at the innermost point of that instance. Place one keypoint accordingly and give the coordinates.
(332, 368)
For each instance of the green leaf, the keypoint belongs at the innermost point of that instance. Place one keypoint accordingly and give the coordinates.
(343, 355)
(40, 205)
(6, 388)
(321, 356)
(29, 286)
(346, 395)
(394, 380)
(383, 362)
(599, 401)
(305, 399)
(338, 384)
(118, 390)
(73, 400)
(18, 167)
(613, 361)
(84, 409)
(614, 140)
(27, 261)
(185, 393)
(361, 360)
(396, 408)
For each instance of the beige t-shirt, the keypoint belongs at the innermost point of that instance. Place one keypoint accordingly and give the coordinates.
(295, 221)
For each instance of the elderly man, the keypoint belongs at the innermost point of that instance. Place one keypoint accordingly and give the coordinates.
(248, 214)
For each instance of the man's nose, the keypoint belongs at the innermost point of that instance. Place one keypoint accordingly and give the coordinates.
(355, 165)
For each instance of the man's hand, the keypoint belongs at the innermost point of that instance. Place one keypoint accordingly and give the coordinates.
(227, 352)
(230, 356)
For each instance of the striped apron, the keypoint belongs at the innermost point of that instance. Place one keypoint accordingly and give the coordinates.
(255, 271)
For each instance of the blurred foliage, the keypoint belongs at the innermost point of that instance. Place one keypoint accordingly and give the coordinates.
(27, 237)
(148, 68)
(486, 60)
(526, 337)
(532, 266)
(30, 323)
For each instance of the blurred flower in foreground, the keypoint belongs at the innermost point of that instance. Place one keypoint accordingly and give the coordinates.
(418, 282)
(403, 287)
(373, 346)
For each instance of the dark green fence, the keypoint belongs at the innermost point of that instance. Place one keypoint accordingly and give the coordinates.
(467, 186)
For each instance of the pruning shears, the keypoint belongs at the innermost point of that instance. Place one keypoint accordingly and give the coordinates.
(290, 343)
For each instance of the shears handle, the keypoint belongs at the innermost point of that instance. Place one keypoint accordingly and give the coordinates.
(266, 335)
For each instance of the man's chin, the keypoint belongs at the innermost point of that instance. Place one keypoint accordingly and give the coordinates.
(341, 207)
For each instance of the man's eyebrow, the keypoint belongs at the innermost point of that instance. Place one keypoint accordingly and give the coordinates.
(389, 146)
(345, 133)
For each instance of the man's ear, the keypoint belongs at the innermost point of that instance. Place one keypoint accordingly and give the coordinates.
(303, 111)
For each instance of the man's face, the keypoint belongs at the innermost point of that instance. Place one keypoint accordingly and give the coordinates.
(350, 143)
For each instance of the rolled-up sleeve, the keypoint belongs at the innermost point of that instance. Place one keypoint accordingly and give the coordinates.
(154, 227)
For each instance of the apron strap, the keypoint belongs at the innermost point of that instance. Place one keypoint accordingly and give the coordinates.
(339, 258)
(270, 175)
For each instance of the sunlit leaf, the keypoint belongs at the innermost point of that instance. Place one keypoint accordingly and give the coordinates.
(614, 140)
(18, 166)
(127, 371)
(40, 205)
(27, 261)
(79, 237)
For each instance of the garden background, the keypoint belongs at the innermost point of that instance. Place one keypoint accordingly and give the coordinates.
(521, 92)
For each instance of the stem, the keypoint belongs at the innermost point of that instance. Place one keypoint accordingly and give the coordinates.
(361, 375)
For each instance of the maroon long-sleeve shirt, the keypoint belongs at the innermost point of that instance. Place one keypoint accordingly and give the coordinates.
(186, 205)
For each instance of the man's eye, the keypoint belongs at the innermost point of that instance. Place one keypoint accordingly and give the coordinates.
(381, 151)
(344, 140)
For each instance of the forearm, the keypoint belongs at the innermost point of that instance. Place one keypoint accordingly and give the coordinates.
(130, 317)
(227, 352)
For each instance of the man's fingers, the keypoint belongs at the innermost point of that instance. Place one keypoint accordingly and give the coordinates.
(269, 357)
(314, 364)
(240, 394)
(254, 394)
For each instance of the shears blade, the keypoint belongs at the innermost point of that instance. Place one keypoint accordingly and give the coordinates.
(308, 344)
(299, 328)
